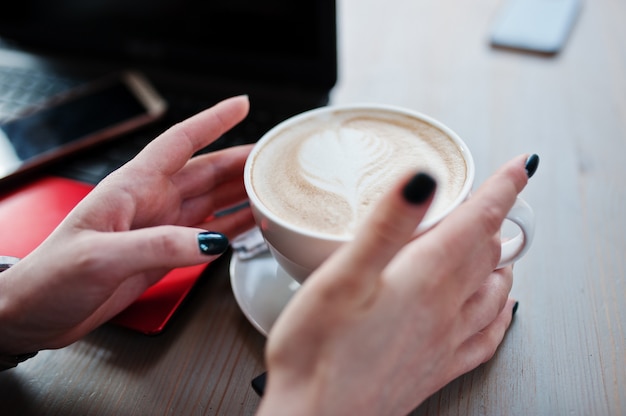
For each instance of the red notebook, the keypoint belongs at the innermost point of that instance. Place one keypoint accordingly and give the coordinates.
(29, 214)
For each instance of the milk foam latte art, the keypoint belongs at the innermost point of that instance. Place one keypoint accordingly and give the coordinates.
(326, 172)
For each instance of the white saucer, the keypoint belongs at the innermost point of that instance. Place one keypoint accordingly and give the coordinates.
(261, 289)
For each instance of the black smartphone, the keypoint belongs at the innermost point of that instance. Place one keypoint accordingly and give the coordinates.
(541, 26)
(75, 120)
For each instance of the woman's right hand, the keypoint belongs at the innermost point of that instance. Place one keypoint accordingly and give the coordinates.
(389, 319)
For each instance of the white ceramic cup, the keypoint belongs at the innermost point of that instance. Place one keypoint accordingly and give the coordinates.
(300, 251)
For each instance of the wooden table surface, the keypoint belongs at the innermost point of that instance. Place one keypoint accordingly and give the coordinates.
(565, 353)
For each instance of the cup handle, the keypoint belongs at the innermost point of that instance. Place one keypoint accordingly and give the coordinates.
(512, 250)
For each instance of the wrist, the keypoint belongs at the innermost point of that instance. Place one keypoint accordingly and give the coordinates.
(312, 394)
(286, 399)
(9, 360)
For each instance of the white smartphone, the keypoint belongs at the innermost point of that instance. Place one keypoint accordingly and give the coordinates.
(541, 26)
(75, 120)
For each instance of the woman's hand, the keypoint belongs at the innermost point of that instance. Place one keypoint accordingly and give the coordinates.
(136, 225)
(389, 319)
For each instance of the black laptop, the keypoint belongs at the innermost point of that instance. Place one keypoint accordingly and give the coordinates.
(282, 53)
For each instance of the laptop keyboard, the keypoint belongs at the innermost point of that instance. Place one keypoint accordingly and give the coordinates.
(20, 88)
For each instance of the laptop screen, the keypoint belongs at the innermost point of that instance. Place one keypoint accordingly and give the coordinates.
(271, 40)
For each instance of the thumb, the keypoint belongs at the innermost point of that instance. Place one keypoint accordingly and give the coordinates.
(167, 247)
(387, 229)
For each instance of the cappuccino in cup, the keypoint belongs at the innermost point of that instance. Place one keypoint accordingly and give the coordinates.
(325, 173)
(314, 178)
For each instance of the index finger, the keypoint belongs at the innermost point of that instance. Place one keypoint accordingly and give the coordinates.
(169, 152)
(354, 271)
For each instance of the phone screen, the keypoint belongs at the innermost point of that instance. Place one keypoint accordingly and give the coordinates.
(68, 124)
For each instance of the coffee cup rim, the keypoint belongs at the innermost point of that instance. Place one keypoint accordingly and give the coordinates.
(424, 225)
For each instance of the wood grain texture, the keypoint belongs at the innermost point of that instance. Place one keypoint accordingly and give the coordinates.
(565, 353)
(566, 350)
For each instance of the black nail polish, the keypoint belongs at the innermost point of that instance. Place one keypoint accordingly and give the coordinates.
(258, 384)
(419, 188)
(212, 243)
(515, 308)
(531, 165)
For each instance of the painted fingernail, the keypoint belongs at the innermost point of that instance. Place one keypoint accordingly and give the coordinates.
(531, 165)
(515, 308)
(419, 188)
(258, 383)
(212, 243)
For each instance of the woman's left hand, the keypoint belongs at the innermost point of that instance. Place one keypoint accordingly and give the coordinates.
(136, 225)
